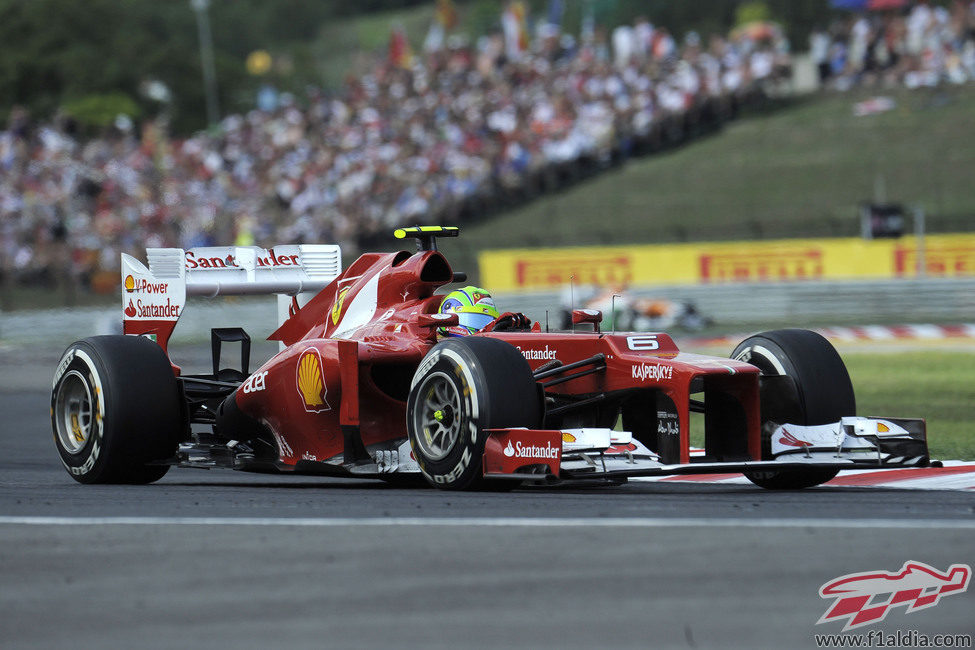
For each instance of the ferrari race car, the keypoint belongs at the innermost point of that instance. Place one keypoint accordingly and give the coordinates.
(364, 385)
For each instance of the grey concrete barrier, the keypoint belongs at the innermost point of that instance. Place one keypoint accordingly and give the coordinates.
(933, 300)
(903, 301)
(59, 327)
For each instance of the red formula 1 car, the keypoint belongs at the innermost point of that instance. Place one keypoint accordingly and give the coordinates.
(365, 387)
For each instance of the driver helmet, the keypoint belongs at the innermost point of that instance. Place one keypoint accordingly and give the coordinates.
(474, 307)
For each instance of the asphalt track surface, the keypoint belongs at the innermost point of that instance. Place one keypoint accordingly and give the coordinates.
(215, 559)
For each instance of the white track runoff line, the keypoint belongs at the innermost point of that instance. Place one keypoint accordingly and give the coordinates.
(956, 482)
(925, 478)
(496, 522)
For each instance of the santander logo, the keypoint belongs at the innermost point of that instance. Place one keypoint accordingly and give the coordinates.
(519, 450)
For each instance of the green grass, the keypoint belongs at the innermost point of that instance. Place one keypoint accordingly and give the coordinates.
(796, 172)
(938, 386)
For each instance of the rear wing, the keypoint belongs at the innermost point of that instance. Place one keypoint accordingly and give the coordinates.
(153, 298)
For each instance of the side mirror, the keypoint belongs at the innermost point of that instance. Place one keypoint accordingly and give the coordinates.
(437, 320)
(593, 316)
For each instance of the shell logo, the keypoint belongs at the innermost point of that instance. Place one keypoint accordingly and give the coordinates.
(310, 380)
(129, 283)
(337, 307)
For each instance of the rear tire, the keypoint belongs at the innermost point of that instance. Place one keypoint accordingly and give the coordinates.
(823, 394)
(463, 387)
(115, 409)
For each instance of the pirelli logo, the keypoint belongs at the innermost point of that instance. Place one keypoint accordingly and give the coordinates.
(783, 260)
(798, 264)
(939, 260)
(609, 270)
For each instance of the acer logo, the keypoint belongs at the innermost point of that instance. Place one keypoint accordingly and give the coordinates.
(256, 382)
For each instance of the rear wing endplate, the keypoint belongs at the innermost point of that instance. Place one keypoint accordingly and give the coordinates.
(153, 298)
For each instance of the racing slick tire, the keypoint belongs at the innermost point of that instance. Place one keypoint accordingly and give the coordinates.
(822, 394)
(115, 410)
(463, 387)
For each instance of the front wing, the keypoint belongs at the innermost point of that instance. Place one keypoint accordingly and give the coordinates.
(552, 455)
(853, 442)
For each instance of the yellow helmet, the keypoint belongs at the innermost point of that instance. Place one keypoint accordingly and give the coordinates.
(474, 307)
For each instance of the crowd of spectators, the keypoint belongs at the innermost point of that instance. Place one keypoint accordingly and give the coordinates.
(438, 139)
(921, 45)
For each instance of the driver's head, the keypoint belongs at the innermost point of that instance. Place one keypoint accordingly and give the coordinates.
(474, 307)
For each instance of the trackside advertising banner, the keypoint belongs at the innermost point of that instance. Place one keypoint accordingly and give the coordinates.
(702, 263)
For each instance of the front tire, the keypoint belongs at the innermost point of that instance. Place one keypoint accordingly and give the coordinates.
(115, 410)
(820, 393)
(463, 387)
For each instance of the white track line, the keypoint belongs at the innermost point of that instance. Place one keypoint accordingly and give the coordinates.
(964, 481)
(951, 482)
(495, 522)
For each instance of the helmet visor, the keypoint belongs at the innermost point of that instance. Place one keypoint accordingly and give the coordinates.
(474, 322)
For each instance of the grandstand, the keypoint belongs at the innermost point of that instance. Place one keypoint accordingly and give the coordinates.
(470, 130)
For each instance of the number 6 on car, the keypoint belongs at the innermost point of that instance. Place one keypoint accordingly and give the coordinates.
(642, 342)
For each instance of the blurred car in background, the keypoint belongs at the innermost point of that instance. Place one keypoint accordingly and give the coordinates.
(623, 311)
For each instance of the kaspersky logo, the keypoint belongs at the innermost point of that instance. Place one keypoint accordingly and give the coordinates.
(866, 598)
(311, 381)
